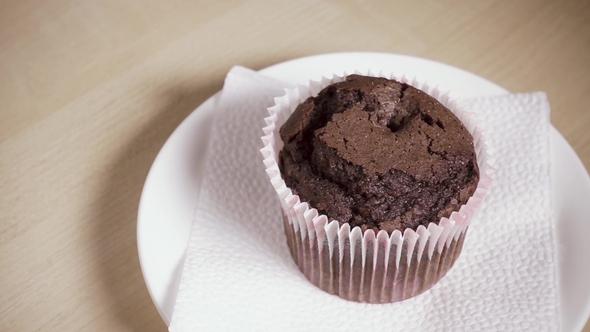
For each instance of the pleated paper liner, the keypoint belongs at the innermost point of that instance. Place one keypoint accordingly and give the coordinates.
(364, 266)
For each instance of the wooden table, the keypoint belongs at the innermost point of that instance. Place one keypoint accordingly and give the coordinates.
(91, 90)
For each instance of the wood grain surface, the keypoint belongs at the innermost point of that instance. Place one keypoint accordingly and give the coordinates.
(91, 90)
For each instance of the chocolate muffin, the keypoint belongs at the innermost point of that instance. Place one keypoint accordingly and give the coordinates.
(378, 154)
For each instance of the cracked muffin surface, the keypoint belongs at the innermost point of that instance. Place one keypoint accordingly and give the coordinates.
(378, 154)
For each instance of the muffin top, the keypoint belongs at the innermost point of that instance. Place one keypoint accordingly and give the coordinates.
(378, 154)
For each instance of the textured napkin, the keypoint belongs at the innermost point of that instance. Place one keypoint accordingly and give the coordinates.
(239, 275)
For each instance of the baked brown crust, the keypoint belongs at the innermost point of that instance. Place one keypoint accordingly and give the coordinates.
(378, 154)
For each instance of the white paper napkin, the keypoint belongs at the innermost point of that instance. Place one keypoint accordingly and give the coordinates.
(239, 276)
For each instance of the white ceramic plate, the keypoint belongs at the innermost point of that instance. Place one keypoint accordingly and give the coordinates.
(171, 189)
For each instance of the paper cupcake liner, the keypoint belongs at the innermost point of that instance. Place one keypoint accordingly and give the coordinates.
(367, 266)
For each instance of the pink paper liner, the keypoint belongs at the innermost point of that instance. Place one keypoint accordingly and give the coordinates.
(364, 266)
